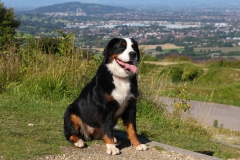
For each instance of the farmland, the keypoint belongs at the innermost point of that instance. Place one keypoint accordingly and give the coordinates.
(223, 49)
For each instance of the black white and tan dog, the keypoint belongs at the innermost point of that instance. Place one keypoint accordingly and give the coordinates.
(110, 95)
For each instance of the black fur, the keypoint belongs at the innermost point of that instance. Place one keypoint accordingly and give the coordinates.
(92, 106)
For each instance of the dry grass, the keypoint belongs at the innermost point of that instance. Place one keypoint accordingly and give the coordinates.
(164, 46)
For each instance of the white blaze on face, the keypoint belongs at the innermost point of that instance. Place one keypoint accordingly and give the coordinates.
(125, 55)
(126, 69)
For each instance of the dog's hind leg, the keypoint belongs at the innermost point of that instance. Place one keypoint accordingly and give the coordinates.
(72, 127)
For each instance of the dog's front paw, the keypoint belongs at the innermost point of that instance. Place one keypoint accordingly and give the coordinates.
(112, 150)
(141, 147)
(79, 143)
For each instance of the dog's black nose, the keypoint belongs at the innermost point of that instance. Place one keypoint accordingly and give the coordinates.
(132, 54)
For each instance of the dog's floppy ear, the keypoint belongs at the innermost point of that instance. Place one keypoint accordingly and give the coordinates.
(136, 48)
(106, 55)
(109, 49)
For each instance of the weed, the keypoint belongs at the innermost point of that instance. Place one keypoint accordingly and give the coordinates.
(181, 103)
(215, 123)
(159, 148)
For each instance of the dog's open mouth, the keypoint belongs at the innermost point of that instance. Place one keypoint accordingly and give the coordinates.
(127, 65)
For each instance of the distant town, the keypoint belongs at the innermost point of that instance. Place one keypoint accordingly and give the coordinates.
(197, 27)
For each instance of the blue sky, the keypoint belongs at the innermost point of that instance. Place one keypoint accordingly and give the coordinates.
(37, 3)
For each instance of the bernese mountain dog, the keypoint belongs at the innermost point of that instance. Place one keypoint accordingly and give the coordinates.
(110, 95)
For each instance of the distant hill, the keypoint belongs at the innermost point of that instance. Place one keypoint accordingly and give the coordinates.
(88, 8)
(29, 4)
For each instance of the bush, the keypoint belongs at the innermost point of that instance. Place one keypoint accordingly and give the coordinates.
(159, 48)
(182, 72)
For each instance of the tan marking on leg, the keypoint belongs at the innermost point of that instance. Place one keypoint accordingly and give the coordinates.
(109, 98)
(108, 140)
(81, 127)
(111, 148)
(97, 133)
(74, 139)
(76, 121)
(132, 135)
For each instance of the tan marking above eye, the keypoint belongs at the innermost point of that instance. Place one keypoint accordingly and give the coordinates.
(124, 43)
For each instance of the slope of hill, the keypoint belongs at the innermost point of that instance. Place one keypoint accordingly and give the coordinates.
(88, 8)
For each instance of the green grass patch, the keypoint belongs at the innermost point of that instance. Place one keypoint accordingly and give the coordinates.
(20, 141)
(173, 50)
(204, 83)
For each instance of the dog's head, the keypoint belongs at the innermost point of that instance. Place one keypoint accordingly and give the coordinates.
(121, 55)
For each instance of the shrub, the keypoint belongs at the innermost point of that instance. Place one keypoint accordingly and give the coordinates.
(182, 72)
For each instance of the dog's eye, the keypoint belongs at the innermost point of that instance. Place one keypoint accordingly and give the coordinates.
(122, 47)
(134, 47)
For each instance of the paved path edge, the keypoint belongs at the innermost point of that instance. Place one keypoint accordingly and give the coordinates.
(170, 148)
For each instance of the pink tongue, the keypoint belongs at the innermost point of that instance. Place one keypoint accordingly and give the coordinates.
(131, 67)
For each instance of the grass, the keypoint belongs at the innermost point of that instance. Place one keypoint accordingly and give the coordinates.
(205, 82)
(36, 88)
(20, 141)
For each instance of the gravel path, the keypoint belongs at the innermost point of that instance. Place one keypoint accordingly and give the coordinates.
(97, 151)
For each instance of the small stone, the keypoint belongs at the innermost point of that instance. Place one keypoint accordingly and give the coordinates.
(30, 125)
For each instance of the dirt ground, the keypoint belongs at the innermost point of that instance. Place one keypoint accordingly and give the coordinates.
(97, 151)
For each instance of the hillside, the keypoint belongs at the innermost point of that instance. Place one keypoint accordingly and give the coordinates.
(88, 8)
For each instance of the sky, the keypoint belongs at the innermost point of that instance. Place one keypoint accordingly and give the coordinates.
(30, 4)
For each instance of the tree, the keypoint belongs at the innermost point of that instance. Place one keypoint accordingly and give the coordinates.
(159, 48)
(188, 49)
(8, 24)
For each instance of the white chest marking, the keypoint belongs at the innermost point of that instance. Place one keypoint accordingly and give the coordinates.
(121, 93)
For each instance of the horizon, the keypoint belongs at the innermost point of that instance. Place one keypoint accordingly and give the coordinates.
(31, 4)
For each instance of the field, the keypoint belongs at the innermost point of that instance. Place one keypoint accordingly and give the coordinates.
(164, 46)
(223, 49)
